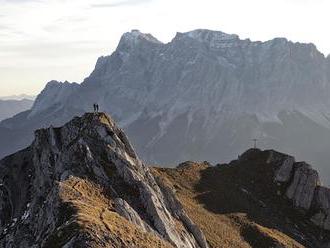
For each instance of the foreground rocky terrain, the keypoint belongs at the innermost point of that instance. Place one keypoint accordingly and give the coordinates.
(262, 199)
(202, 96)
(82, 185)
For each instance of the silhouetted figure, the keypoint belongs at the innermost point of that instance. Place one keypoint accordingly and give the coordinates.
(97, 108)
(94, 107)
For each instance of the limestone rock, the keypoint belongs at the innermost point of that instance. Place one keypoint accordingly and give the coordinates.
(125, 210)
(283, 174)
(302, 188)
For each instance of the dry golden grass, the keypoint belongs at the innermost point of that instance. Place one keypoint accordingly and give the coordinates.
(95, 215)
(223, 230)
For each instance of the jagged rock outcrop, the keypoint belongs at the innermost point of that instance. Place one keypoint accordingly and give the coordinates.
(73, 180)
(300, 183)
(246, 200)
(302, 188)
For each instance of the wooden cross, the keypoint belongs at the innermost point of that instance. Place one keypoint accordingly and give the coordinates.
(255, 143)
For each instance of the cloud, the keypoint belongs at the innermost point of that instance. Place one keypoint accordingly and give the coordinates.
(8, 31)
(49, 50)
(18, 1)
(119, 3)
(59, 23)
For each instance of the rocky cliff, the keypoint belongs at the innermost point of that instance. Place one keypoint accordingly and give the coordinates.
(299, 183)
(82, 185)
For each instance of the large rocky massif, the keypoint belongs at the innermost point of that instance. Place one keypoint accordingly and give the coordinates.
(202, 96)
(82, 185)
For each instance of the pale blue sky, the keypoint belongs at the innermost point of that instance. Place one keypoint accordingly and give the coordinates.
(41, 40)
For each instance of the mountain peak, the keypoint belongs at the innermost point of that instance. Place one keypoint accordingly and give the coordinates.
(96, 126)
(135, 37)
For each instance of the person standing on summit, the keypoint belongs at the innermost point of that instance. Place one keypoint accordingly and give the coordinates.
(96, 107)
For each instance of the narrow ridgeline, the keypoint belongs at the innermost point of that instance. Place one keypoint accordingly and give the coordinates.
(82, 185)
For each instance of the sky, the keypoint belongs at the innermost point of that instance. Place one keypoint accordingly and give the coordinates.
(44, 40)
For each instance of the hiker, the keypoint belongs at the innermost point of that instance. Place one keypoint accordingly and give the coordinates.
(97, 108)
(94, 106)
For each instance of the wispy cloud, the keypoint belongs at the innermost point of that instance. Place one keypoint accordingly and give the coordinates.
(59, 23)
(53, 50)
(9, 31)
(119, 3)
(19, 1)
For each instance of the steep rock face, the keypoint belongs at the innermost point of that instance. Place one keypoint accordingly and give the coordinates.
(302, 189)
(298, 182)
(284, 173)
(204, 96)
(55, 176)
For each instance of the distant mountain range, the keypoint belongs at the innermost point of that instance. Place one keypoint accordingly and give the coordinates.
(203, 96)
(18, 97)
(9, 108)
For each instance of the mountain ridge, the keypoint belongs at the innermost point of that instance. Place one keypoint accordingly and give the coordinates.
(218, 95)
(83, 185)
